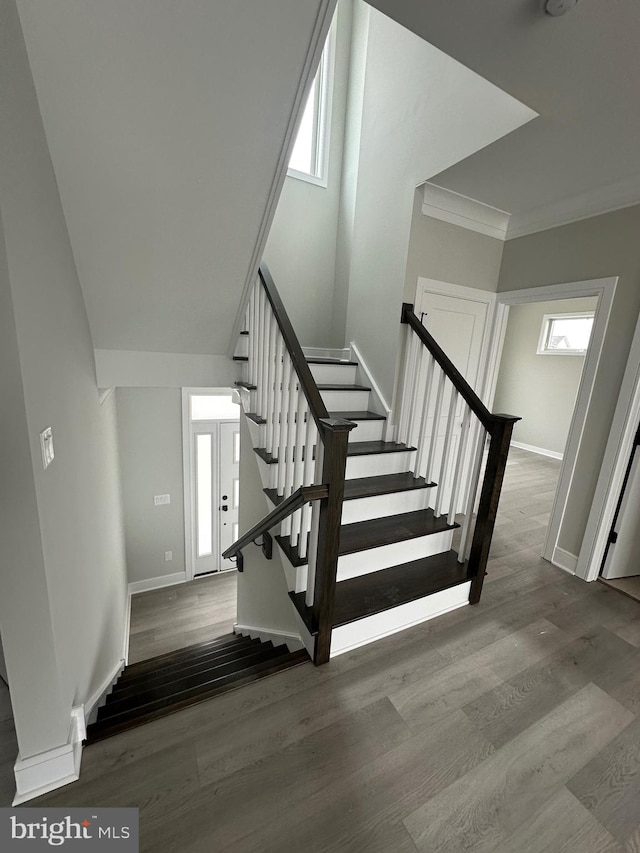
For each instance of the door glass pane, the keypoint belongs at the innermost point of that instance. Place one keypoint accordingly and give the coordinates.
(204, 534)
(210, 407)
(236, 447)
(236, 493)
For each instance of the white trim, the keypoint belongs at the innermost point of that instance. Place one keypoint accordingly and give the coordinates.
(378, 403)
(187, 489)
(345, 638)
(127, 629)
(564, 560)
(52, 769)
(614, 464)
(316, 45)
(291, 640)
(539, 450)
(591, 203)
(339, 353)
(604, 290)
(441, 203)
(104, 394)
(157, 583)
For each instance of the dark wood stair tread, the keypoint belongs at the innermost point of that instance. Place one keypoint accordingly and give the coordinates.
(335, 386)
(257, 419)
(374, 532)
(367, 487)
(331, 361)
(152, 711)
(358, 416)
(240, 358)
(227, 641)
(376, 592)
(354, 448)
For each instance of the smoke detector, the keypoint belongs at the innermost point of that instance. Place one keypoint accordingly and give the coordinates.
(559, 7)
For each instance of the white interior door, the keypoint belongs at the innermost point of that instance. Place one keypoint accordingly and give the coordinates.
(459, 319)
(623, 555)
(229, 487)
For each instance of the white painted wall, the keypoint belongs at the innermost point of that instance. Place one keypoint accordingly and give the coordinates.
(602, 246)
(541, 389)
(150, 438)
(420, 112)
(447, 252)
(301, 249)
(263, 598)
(63, 584)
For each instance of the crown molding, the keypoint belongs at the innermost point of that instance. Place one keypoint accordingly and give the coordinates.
(583, 206)
(440, 203)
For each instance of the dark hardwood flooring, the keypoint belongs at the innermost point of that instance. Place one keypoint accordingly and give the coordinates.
(163, 620)
(511, 726)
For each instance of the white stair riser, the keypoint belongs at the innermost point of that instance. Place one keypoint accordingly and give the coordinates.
(346, 401)
(367, 431)
(334, 374)
(356, 634)
(378, 506)
(380, 463)
(242, 347)
(385, 556)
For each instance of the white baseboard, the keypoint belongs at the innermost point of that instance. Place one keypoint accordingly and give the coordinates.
(52, 769)
(292, 641)
(356, 634)
(564, 560)
(157, 583)
(378, 402)
(539, 450)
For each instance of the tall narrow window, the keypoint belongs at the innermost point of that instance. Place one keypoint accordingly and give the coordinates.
(310, 155)
(565, 334)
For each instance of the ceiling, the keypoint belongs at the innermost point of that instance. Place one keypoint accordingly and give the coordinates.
(580, 72)
(168, 142)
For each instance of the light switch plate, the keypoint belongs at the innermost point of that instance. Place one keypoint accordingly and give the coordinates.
(46, 446)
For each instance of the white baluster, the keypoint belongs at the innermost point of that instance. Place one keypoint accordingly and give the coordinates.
(435, 425)
(422, 444)
(298, 466)
(465, 538)
(294, 396)
(310, 442)
(264, 374)
(315, 521)
(409, 341)
(457, 475)
(416, 361)
(446, 450)
(271, 380)
(284, 408)
(253, 335)
(277, 393)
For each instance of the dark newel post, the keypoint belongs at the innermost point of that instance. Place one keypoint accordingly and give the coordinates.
(489, 497)
(335, 435)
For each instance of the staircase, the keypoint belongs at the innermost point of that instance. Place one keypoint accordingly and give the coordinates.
(161, 685)
(381, 543)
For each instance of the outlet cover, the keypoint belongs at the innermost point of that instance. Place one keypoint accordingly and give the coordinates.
(160, 500)
(168, 556)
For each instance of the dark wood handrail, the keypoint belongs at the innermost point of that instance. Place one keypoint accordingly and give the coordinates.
(299, 498)
(486, 418)
(303, 372)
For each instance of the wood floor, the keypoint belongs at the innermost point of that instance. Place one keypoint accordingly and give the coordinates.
(164, 620)
(629, 586)
(511, 726)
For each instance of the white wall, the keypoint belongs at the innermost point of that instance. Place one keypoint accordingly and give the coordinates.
(150, 438)
(541, 389)
(301, 249)
(63, 585)
(599, 247)
(420, 112)
(447, 252)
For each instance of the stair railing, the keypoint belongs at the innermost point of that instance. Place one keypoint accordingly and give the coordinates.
(443, 417)
(306, 446)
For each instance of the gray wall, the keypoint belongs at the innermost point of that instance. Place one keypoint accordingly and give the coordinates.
(150, 438)
(599, 247)
(301, 249)
(447, 252)
(541, 389)
(63, 584)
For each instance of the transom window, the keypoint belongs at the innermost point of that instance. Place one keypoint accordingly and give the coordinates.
(565, 334)
(309, 158)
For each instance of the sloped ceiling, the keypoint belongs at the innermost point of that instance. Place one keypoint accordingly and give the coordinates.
(580, 72)
(165, 122)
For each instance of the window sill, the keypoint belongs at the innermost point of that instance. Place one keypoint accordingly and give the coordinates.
(309, 179)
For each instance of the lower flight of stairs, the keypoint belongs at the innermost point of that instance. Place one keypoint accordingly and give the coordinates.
(161, 685)
(396, 564)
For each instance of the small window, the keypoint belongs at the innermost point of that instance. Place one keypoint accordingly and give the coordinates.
(210, 407)
(309, 158)
(565, 334)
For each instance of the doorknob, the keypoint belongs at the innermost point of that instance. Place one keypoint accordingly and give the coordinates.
(224, 507)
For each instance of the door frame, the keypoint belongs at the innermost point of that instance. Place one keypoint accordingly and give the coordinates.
(187, 479)
(604, 290)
